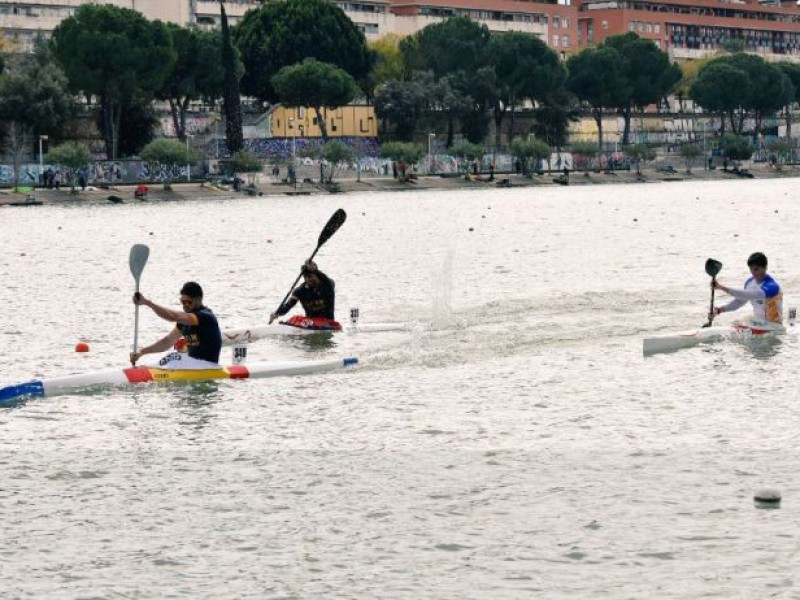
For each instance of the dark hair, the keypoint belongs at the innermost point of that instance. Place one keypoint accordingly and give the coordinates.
(192, 289)
(757, 259)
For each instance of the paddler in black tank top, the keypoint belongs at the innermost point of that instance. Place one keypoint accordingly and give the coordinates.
(195, 323)
(316, 294)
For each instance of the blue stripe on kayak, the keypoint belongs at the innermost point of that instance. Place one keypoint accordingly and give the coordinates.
(15, 392)
(349, 362)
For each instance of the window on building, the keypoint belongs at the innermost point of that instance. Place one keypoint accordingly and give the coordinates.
(555, 41)
(603, 24)
(565, 41)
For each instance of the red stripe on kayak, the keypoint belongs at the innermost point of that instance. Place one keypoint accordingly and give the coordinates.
(238, 372)
(138, 374)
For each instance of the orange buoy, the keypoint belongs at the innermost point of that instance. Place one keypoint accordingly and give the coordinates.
(81, 347)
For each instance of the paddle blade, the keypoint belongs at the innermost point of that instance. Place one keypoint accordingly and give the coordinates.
(138, 259)
(713, 267)
(332, 226)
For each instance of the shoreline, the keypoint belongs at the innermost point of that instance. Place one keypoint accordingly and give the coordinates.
(372, 183)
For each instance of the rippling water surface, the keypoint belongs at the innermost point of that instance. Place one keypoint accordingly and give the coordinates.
(513, 443)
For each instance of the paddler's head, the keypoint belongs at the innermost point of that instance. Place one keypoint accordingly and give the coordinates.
(191, 296)
(758, 265)
(310, 276)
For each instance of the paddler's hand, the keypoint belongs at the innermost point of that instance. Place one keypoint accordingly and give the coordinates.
(716, 285)
(134, 357)
(139, 299)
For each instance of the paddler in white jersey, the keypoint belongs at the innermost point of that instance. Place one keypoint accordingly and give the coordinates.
(761, 290)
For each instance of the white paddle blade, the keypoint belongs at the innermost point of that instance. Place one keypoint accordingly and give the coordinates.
(138, 259)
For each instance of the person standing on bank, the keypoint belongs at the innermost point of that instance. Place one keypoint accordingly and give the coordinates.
(196, 323)
(761, 290)
(316, 295)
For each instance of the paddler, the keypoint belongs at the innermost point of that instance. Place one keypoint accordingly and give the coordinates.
(196, 323)
(761, 290)
(316, 295)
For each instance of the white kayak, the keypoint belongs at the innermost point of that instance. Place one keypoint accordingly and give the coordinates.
(260, 332)
(135, 375)
(694, 337)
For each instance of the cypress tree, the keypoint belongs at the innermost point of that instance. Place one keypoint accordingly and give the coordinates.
(231, 100)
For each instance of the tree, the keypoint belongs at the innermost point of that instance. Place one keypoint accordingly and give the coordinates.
(198, 72)
(649, 75)
(231, 96)
(113, 53)
(409, 152)
(586, 150)
(168, 157)
(74, 156)
(724, 89)
(137, 126)
(285, 32)
(690, 152)
(316, 85)
(245, 162)
(551, 119)
(467, 152)
(596, 76)
(402, 103)
(388, 62)
(529, 153)
(792, 71)
(336, 153)
(639, 153)
(526, 69)
(735, 148)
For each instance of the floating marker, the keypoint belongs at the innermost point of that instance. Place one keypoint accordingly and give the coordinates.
(81, 347)
(767, 496)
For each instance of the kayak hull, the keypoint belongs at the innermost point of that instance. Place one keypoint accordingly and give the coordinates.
(136, 375)
(705, 335)
(253, 334)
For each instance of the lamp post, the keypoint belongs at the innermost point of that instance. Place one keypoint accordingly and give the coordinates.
(41, 159)
(188, 166)
(431, 163)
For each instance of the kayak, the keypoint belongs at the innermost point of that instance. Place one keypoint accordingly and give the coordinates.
(704, 335)
(135, 375)
(297, 327)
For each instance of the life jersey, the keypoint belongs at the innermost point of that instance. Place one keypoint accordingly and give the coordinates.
(317, 302)
(766, 298)
(204, 340)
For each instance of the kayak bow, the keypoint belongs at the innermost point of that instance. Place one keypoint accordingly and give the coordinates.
(694, 337)
(135, 375)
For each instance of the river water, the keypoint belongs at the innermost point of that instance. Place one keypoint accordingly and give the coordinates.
(513, 443)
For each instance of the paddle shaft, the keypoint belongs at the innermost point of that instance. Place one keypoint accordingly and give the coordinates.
(136, 322)
(291, 289)
(711, 307)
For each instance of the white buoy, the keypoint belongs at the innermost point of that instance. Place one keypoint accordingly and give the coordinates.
(767, 496)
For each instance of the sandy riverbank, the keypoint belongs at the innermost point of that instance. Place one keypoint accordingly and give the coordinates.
(349, 184)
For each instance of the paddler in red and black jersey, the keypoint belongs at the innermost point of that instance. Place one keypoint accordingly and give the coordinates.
(195, 323)
(316, 294)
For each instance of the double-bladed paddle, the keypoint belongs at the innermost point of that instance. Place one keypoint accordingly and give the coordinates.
(713, 267)
(137, 260)
(331, 227)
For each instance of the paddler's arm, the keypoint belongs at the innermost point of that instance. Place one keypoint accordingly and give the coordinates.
(284, 308)
(174, 316)
(162, 345)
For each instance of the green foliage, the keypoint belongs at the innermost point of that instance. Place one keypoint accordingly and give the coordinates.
(586, 150)
(552, 118)
(639, 153)
(721, 87)
(315, 84)
(690, 152)
(529, 153)
(245, 162)
(410, 152)
(113, 53)
(169, 154)
(137, 125)
(336, 153)
(735, 147)
(284, 32)
(467, 150)
(402, 103)
(33, 92)
(197, 73)
(388, 63)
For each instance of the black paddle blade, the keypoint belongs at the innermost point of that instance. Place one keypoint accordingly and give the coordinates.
(336, 221)
(713, 267)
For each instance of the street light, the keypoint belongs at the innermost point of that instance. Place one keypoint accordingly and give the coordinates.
(431, 163)
(41, 159)
(188, 166)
